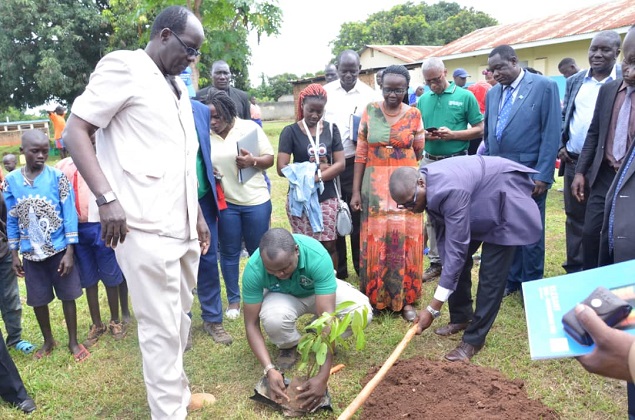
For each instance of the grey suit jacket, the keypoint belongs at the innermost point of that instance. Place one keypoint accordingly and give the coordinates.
(592, 154)
(623, 227)
(532, 134)
(479, 198)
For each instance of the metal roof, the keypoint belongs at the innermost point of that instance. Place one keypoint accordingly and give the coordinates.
(406, 53)
(546, 30)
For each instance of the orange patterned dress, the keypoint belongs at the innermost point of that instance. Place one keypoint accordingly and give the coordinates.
(391, 260)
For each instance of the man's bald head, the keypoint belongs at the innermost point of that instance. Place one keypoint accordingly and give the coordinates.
(402, 183)
(31, 137)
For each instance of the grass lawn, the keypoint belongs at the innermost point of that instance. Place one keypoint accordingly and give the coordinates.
(110, 383)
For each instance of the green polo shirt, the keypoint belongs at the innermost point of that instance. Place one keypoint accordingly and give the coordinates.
(454, 109)
(313, 276)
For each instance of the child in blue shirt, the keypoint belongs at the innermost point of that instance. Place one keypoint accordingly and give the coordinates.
(42, 225)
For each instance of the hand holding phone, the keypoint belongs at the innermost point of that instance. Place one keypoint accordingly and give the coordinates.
(431, 129)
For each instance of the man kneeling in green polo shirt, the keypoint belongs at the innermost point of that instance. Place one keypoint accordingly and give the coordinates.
(287, 277)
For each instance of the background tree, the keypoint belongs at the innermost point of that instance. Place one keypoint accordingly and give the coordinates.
(227, 25)
(48, 49)
(274, 87)
(411, 24)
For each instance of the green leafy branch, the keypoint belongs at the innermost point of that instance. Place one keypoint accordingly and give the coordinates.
(325, 333)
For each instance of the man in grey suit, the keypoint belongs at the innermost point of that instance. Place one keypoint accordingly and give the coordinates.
(579, 102)
(522, 123)
(472, 201)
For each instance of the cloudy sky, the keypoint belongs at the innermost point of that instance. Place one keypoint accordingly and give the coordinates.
(309, 26)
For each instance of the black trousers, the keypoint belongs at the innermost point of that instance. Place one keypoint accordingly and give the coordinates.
(574, 226)
(594, 216)
(346, 181)
(492, 279)
(11, 387)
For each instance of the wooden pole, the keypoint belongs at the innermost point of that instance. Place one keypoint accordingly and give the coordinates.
(379, 376)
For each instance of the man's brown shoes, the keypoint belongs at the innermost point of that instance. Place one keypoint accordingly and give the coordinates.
(450, 329)
(200, 400)
(463, 352)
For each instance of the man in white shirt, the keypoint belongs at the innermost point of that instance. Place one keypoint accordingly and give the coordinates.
(345, 97)
(144, 177)
(577, 111)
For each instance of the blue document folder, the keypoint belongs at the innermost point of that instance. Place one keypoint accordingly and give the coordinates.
(547, 300)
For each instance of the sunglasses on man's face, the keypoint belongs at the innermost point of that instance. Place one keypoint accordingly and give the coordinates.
(410, 204)
(191, 52)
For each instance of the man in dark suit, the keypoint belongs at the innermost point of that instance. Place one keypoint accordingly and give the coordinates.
(208, 280)
(579, 102)
(522, 123)
(472, 201)
(221, 79)
(598, 163)
(617, 240)
(11, 387)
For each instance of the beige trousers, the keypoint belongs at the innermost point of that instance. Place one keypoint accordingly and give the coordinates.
(280, 311)
(161, 273)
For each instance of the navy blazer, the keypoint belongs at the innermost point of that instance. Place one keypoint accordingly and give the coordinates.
(201, 122)
(623, 226)
(532, 134)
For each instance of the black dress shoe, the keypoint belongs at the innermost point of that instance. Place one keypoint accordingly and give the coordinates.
(463, 352)
(27, 406)
(450, 329)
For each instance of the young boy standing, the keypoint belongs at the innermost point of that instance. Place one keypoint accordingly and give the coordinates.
(95, 261)
(42, 225)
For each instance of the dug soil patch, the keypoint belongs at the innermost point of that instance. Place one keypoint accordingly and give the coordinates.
(429, 389)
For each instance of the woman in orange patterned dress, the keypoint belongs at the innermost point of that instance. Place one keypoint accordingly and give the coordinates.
(390, 136)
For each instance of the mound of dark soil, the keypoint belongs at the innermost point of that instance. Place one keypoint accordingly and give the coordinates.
(428, 389)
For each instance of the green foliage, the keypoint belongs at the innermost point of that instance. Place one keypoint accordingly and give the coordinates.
(48, 49)
(325, 333)
(275, 86)
(411, 24)
(227, 24)
(14, 114)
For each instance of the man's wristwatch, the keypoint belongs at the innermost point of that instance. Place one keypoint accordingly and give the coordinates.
(269, 367)
(435, 314)
(109, 197)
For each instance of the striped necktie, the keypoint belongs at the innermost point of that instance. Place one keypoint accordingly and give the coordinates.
(503, 114)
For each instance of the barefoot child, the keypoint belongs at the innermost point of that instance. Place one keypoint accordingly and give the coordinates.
(95, 261)
(42, 225)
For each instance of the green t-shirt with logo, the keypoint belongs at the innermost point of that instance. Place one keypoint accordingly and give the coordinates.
(313, 276)
(454, 109)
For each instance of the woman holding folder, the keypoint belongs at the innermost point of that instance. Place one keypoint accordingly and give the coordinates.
(241, 152)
